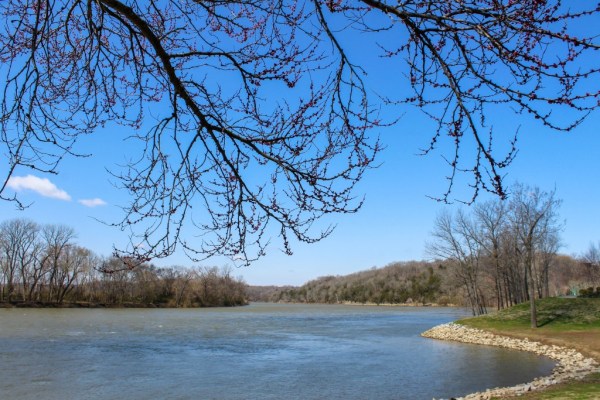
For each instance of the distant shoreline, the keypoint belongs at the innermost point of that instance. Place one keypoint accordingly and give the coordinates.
(368, 304)
(414, 304)
(83, 304)
(77, 304)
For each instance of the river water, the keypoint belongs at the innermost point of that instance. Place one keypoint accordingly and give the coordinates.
(262, 351)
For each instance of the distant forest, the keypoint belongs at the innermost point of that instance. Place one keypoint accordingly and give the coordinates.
(398, 283)
(42, 266)
(494, 255)
(416, 283)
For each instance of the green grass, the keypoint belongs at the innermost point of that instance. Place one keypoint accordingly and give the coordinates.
(566, 322)
(586, 389)
(553, 314)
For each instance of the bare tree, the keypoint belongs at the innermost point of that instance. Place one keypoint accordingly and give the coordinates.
(490, 218)
(74, 260)
(547, 250)
(18, 253)
(591, 260)
(455, 239)
(57, 240)
(182, 284)
(116, 284)
(534, 218)
(234, 163)
(515, 280)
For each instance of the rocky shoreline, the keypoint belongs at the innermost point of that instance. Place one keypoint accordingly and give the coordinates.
(570, 363)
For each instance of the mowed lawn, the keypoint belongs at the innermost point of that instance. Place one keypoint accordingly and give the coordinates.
(567, 322)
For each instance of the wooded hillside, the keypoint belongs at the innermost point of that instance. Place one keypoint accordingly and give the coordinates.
(415, 282)
(401, 282)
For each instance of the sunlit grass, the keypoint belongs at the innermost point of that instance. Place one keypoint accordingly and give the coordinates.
(552, 313)
(586, 389)
(568, 322)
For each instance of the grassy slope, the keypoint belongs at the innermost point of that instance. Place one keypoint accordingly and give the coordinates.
(567, 322)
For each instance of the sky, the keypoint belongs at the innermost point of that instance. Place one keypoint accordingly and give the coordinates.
(394, 224)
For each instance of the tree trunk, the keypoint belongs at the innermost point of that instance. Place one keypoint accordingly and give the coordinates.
(532, 308)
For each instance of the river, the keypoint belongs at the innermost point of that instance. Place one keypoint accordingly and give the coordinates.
(262, 351)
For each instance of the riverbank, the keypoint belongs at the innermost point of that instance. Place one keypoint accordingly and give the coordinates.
(77, 304)
(569, 332)
(84, 304)
(571, 364)
(411, 304)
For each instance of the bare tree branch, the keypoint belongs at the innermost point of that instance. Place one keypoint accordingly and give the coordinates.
(225, 163)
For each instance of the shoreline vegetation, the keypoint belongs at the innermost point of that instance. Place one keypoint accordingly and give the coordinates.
(426, 283)
(569, 334)
(85, 304)
(41, 264)
(148, 287)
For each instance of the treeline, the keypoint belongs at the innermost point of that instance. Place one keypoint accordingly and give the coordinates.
(496, 254)
(418, 283)
(397, 283)
(42, 264)
(501, 253)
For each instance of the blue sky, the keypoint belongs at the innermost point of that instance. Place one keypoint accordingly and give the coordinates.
(396, 219)
(394, 224)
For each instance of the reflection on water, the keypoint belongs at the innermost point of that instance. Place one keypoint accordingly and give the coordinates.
(263, 351)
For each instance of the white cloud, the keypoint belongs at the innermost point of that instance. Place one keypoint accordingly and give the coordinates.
(92, 202)
(41, 186)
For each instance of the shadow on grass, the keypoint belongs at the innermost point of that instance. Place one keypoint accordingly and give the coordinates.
(550, 319)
